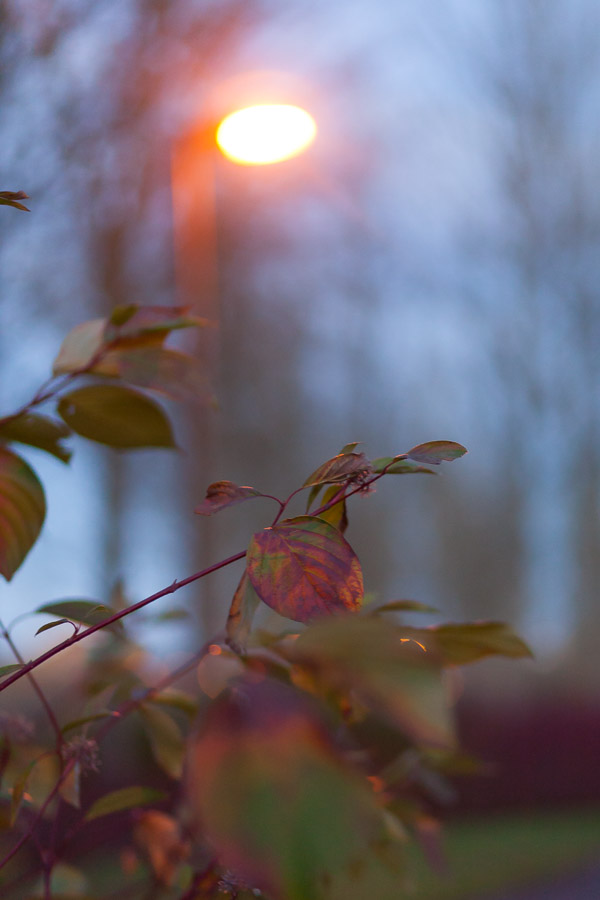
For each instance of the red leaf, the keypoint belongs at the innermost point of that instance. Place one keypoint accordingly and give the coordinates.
(304, 568)
(221, 494)
(433, 452)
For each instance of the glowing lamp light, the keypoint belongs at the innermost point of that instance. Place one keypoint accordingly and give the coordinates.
(270, 133)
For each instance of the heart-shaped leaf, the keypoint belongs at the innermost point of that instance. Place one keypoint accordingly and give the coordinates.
(222, 494)
(116, 416)
(22, 511)
(304, 568)
(434, 452)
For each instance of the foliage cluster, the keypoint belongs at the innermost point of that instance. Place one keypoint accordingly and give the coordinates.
(302, 761)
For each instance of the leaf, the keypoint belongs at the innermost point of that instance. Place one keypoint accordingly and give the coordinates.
(22, 511)
(241, 613)
(170, 372)
(155, 321)
(38, 431)
(177, 699)
(159, 836)
(403, 606)
(372, 660)
(277, 800)
(166, 740)
(350, 448)
(399, 466)
(304, 568)
(339, 469)
(88, 612)
(70, 789)
(221, 494)
(116, 416)
(20, 786)
(337, 514)
(434, 452)
(461, 644)
(124, 798)
(53, 625)
(9, 669)
(11, 198)
(79, 347)
(85, 720)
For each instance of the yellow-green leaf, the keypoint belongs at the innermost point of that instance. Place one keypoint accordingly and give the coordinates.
(38, 431)
(124, 798)
(166, 740)
(22, 511)
(116, 416)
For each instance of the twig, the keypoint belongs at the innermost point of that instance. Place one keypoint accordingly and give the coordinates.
(69, 642)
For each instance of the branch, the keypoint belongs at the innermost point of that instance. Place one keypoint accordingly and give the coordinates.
(115, 618)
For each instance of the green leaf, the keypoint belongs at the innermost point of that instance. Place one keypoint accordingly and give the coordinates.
(11, 198)
(85, 720)
(38, 431)
(337, 514)
(399, 465)
(222, 494)
(20, 786)
(123, 313)
(304, 568)
(350, 448)
(277, 800)
(124, 798)
(433, 452)
(79, 347)
(116, 416)
(22, 511)
(9, 669)
(339, 469)
(88, 612)
(241, 613)
(177, 699)
(70, 789)
(461, 644)
(53, 625)
(166, 740)
(379, 664)
(403, 606)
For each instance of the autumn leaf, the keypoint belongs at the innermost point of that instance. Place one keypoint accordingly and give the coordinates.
(274, 795)
(239, 621)
(12, 198)
(434, 452)
(22, 511)
(222, 494)
(38, 431)
(303, 568)
(341, 468)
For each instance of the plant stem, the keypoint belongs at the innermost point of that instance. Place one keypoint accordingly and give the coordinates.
(36, 687)
(175, 586)
(40, 815)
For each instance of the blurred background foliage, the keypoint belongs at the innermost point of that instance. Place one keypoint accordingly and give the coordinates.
(428, 270)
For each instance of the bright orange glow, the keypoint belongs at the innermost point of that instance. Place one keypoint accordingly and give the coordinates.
(215, 650)
(270, 133)
(413, 641)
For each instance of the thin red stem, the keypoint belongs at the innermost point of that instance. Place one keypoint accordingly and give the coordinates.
(115, 618)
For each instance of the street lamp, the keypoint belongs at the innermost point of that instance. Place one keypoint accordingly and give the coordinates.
(255, 135)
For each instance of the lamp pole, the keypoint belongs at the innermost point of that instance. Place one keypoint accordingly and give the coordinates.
(252, 136)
